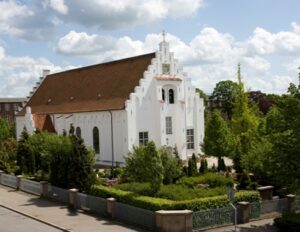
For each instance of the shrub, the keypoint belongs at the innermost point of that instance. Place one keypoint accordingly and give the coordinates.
(143, 164)
(221, 164)
(154, 204)
(192, 166)
(8, 151)
(172, 192)
(172, 167)
(212, 179)
(203, 166)
(288, 222)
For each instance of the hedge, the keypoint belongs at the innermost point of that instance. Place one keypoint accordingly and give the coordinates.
(212, 179)
(152, 203)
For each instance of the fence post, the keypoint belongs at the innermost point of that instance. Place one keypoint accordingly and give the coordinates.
(1, 176)
(174, 220)
(19, 179)
(266, 192)
(110, 206)
(72, 197)
(243, 212)
(43, 188)
(291, 201)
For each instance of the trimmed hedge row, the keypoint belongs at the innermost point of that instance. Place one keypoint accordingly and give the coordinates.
(212, 179)
(152, 203)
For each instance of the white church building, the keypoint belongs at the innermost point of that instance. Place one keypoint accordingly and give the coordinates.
(120, 104)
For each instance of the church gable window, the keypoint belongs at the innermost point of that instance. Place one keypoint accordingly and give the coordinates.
(78, 132)
(96, 143)
(171, 96)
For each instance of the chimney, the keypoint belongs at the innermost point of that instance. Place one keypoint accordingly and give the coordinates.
(46, 72)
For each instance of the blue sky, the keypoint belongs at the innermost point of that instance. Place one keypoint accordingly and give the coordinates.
(209, 37)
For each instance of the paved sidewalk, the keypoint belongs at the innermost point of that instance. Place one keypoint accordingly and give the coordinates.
(265, 225)
(58, 214)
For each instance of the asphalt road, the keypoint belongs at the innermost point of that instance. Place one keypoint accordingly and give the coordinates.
(14, 222)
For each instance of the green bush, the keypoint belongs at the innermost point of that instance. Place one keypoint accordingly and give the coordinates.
(288, 222)
(212, 179)
(154, 204)
(172, 192)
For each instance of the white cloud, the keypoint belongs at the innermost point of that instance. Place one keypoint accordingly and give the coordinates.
(127, 13)
(211, 56)
(296, 27)
(57, 5)
(18, 75)
(263, 42)
(29, 22)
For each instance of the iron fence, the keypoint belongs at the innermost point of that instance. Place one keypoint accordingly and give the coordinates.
(133, 215)
(214, 217)
(255, 210)
(91, 203)
(58, 194)
(30, 186)
(274, 206)
(9, 180)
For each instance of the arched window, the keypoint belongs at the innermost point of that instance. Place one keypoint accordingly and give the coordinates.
(78, 132)
(163, 94)
(96, 143)
(171, 96)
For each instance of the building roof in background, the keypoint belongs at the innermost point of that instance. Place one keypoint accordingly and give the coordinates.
(12, 100)
(99, 87)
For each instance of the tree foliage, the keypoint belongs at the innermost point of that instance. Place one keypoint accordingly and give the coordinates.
(218, 140)
(226, 92)
(144, 164)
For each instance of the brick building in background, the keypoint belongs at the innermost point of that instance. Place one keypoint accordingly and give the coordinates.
(9, 107)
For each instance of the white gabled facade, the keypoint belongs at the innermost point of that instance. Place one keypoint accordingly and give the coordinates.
(164, 108)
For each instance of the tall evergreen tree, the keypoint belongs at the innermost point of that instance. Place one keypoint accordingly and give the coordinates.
(218, 140)
(244, 124)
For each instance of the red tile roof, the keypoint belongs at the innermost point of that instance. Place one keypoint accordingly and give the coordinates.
(93, 88)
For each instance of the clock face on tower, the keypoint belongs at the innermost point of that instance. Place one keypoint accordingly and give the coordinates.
(165, 69)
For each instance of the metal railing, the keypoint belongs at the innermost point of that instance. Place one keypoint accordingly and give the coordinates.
(91, 203)
(297, 205)
(214, 217)
(58, 194)
(30, 186)
(274, 206)
(133, 215)
(9, 180)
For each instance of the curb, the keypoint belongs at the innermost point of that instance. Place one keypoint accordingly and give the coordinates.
(35, 218)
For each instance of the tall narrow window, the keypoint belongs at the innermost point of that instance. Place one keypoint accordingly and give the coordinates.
(168, 125)
(78, 132)
(165, 69)
(171, 96)
(163, 94)
(143, 138)
(190, 138)
(96, 143)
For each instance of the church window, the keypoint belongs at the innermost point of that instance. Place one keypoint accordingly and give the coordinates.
(168, 125)
(165, 69)
(163, 95)
(96, 143)
(190, 138)
(171, 96)
(143, 137)
(78, 132)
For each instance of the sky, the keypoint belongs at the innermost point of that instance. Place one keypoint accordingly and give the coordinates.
(208, 37)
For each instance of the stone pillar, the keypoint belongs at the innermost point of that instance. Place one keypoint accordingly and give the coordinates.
(43, 188)
(72, 198)
(174, 220)
(266, 192)
(1, 176)
(110, 206)
(19, 178)
(243, 212)
(291, 203)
